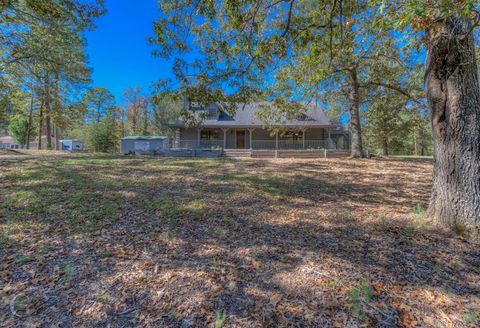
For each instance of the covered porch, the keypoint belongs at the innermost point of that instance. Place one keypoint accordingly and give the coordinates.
(240, 138)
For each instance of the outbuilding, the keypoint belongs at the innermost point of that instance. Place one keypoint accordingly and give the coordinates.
(71, 144)
(143, 144)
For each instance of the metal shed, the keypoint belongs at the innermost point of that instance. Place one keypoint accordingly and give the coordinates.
(71, 144)
(143, 144)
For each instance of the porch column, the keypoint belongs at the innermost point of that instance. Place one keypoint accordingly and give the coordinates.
(224, 137)
(176, 140)
(303, 137)
(199, 130)
(250, 132)
(329, 140)
(276, 144)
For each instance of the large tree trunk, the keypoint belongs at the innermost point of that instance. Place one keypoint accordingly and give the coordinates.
(415, 141)
(40, 126)
(48, 128)
(453, 94)
(48, 110)
(57, 137)
(385, 147)
(29, 130)
(354, 109)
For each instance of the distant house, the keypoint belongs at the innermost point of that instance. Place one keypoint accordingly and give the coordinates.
(71, 145)
(7, 142)
(142, 144)
(310, 130)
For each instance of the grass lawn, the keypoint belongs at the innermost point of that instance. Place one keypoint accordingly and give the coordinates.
(119, 242)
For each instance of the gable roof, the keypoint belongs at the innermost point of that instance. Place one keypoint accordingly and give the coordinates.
(245, 116)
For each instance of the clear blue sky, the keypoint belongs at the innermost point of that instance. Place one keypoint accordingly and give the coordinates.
(118, 49)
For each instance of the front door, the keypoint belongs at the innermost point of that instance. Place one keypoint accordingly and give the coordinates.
(240, 139)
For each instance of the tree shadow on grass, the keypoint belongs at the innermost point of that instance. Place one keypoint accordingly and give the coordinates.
(228, 238)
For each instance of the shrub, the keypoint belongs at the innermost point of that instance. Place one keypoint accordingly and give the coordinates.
(18, 129)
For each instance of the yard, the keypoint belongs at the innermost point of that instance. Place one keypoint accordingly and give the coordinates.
(120, 242)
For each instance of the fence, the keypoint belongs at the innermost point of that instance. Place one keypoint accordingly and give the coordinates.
(189, 144)
(289, 144)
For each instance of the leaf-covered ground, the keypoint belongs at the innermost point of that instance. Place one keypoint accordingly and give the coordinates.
(121, 242)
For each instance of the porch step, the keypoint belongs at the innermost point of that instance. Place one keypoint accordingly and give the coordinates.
(237, 153)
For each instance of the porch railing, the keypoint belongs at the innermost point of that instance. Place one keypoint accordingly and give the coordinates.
(262, 144)
(203, 144)
(289, 144)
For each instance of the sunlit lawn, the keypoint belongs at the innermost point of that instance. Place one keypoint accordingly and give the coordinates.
(122, 241)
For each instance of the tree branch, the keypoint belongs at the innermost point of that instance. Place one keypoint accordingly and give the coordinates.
(289, 19)
(392, 87)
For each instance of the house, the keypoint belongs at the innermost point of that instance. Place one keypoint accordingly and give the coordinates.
(244, 131)
(142, 144)
(7, 142)
(71, 144)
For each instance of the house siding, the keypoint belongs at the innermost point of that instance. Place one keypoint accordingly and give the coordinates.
(128, 145)
(189, 136)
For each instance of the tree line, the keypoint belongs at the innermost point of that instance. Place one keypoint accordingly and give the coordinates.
(45, 85)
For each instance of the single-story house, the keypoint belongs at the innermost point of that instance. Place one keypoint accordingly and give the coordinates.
(7, 142)
(142, 144)
(71, 144)
(243, 130)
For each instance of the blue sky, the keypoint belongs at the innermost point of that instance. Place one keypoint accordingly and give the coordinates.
(118, 49)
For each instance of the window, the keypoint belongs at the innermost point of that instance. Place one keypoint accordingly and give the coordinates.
(224, 116)
(209, 135)
(294, 137)
(304, 117)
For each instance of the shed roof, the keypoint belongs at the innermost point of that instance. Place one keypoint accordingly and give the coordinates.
(144, 138)
(76, 140)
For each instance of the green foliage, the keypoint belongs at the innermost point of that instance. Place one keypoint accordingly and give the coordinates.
(470, 318)
(357, 296)
(220, 318)
(166, 109)
(99, 103)
(102, 137)
(419, 211)
(289, 52)
(45, 54)
(22, 259)
(19, 128)
(68, 271)
(442, 274)
(462, 230)
(383, 223)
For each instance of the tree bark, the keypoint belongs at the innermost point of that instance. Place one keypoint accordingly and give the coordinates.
(29, 130)
(40, 126)
(48, 128)
(57, 137)
(415, 142)
(354, 110)
(385, 148)
(453, 95)
(48, 111)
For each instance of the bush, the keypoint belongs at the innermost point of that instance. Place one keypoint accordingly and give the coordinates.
(18, 129)
(102, 137)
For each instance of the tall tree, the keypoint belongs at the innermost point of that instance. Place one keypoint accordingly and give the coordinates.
(136, 103)
(446, 29)
(21, 130)
(42, 45)
(98, 103)
(285, 50)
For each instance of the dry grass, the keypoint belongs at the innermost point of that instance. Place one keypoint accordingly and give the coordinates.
(118, 242)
